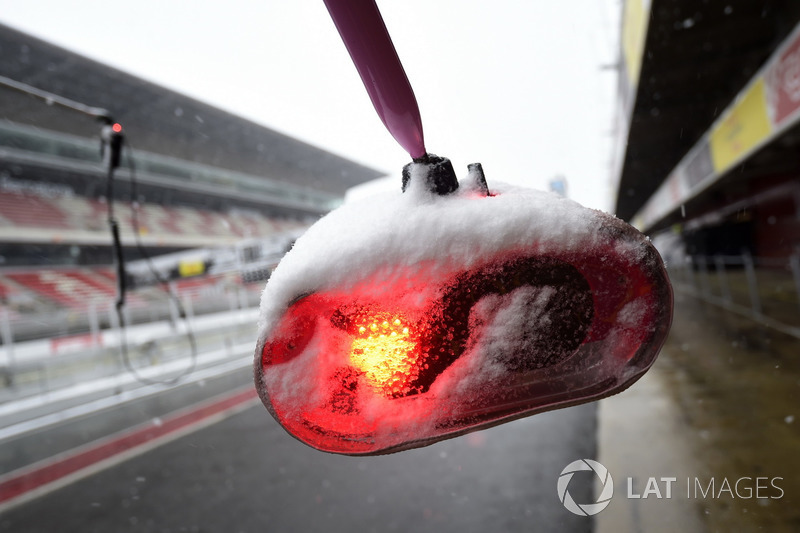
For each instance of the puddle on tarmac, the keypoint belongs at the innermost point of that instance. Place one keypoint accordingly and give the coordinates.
(737, 386)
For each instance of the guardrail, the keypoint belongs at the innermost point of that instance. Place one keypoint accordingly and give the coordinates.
(766, 290)
(64, 328)
(158, 351)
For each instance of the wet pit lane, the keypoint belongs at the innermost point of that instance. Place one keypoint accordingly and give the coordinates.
(721, 403)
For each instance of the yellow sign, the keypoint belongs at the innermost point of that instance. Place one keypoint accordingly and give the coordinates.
(742, 129)
(634, 31)
(191, 268)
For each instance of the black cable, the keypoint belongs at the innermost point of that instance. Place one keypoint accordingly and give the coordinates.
(112, 141)
(122, 277)
(119, 256)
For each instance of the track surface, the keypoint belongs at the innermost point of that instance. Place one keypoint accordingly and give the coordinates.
(244, 473)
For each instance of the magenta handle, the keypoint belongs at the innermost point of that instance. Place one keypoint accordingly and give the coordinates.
(364, 34)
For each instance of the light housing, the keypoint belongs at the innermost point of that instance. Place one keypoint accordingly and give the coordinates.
(403, 320)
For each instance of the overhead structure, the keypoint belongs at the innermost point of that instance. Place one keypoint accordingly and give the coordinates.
(707, 124)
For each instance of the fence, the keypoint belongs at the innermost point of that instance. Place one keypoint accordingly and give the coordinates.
(766, 290)
(43, 352)
(55, 383)
(143, 307)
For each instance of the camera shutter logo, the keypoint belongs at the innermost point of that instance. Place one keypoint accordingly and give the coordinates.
(585, 509)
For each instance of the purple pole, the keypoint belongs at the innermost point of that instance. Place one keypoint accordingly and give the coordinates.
(364, 34)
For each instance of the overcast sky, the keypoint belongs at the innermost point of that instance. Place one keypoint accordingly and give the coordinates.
(515, 85)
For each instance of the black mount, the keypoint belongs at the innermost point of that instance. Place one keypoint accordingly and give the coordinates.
(440, 178)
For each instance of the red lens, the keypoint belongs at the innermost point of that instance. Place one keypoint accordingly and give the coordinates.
(404, 360)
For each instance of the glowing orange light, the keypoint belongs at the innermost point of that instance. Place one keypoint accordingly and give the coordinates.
(117, 127)
(387, 354)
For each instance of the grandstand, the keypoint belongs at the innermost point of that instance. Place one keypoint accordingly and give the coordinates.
(192, 177)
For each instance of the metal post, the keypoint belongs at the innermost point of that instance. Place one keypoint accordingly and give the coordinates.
(243, 303)
(690, 274)
(173, 307)
(94, 323)
(752, 284)
(722, 276)
(794, 262)
(705, 288)
(686, 265)
(7, 335)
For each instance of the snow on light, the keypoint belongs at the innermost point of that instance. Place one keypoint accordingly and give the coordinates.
(352, 242)
(404, 318)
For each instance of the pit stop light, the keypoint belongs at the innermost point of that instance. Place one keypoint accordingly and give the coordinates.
(409, 318)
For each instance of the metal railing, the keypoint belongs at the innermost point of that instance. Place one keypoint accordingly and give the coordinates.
(99, 314)
(764, 289)
(89, 345)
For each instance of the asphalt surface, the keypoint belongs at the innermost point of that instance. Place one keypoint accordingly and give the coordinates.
(31, 447)
(246, 474)
(720, 403)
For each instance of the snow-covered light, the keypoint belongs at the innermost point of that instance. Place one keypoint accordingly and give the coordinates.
(405, 318)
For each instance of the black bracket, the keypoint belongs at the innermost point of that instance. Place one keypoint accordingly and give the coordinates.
(440, 178)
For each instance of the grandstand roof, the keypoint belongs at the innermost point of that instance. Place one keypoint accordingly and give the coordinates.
(159, 120)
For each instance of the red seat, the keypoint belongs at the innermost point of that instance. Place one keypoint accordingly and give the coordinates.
(29, 210)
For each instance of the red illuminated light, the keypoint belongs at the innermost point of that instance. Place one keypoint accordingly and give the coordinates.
(116, 127)
(387, 351)
(391, 365)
